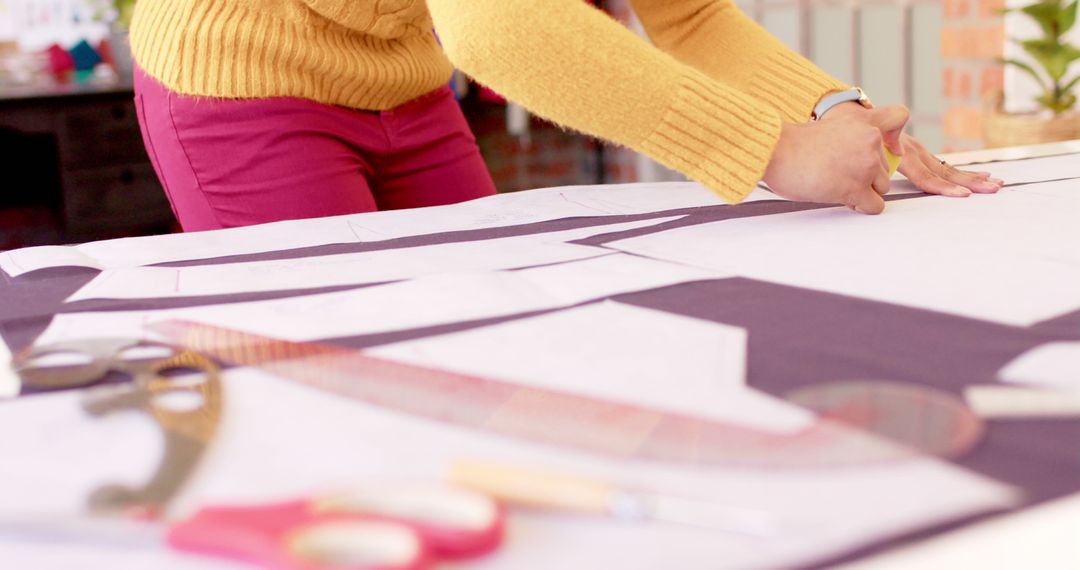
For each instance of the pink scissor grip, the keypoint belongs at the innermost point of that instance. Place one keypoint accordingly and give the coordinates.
(265, 535)
(453, 523)
(391, 528)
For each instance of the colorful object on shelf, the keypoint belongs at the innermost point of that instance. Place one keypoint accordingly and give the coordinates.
(104, 49)
(61, 63)
(84, 56)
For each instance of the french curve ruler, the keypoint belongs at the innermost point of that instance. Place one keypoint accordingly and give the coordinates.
(850, 426)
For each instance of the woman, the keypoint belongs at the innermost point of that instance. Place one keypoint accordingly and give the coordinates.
(261, 110)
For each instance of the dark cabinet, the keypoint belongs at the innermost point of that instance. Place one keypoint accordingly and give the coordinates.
(103, 184)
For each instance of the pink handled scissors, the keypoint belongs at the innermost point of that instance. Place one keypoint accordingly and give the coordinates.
(376, 528)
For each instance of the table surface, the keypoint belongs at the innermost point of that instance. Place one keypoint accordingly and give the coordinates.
(1035, 537)
(1043, 537)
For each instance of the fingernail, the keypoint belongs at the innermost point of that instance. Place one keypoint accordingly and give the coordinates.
(959, 192)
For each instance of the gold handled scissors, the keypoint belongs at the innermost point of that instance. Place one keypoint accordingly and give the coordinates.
(179, 390)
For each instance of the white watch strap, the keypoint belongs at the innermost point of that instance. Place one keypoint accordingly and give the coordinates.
(834, 99)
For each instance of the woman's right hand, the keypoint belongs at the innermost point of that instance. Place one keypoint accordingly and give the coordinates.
(841, 161)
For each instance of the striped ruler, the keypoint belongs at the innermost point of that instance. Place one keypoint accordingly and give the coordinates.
(853, 427)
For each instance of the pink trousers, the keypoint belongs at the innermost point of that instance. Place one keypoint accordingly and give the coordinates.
(227, 163)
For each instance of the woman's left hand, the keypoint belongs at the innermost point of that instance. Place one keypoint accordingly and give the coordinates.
(935, 176)
(926, 171)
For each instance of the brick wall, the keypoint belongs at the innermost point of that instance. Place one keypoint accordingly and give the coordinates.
(550, 157)
(972, 38)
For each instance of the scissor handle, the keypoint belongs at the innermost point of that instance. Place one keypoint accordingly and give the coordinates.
(187, 431)
(96, 358)
(347, 531)
(453, 522)
(286, 537)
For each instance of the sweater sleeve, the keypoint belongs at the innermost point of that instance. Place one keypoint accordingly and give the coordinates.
(716, 37)
(574, 65)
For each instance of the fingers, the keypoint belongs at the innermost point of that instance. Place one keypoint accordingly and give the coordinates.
(880, 181)
(866, 201)
(924, 179)
(890, 120)
(934, 177)
(876, 169)
(880, 184)
(970, 180)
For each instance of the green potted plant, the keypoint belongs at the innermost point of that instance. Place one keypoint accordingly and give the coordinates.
(1053, 56)
(124, 10)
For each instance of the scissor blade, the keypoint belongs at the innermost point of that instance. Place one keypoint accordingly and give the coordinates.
(104, 531)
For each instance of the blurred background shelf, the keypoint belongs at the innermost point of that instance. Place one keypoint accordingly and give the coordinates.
(76, 152)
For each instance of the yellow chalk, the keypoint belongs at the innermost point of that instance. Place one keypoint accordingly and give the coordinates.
(893, 160)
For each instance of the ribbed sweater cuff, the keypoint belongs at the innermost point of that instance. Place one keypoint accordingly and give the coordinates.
(715, 135)
(795, 84)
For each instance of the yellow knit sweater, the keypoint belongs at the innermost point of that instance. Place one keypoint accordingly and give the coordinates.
(707, 100)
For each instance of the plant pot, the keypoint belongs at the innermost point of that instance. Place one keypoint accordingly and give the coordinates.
(1015, 129)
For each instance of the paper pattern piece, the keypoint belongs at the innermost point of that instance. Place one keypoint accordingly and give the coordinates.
(993, 401)
(542, 205)
(63, 454)
(349, 268)
(427, 301)
(616, 352)
(134, 252)
(490, 212)
(1030, 170)
(494, 211)
(1052, 365)
(1010, 258)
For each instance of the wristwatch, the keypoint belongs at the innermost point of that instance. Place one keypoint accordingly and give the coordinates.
(833, 99)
